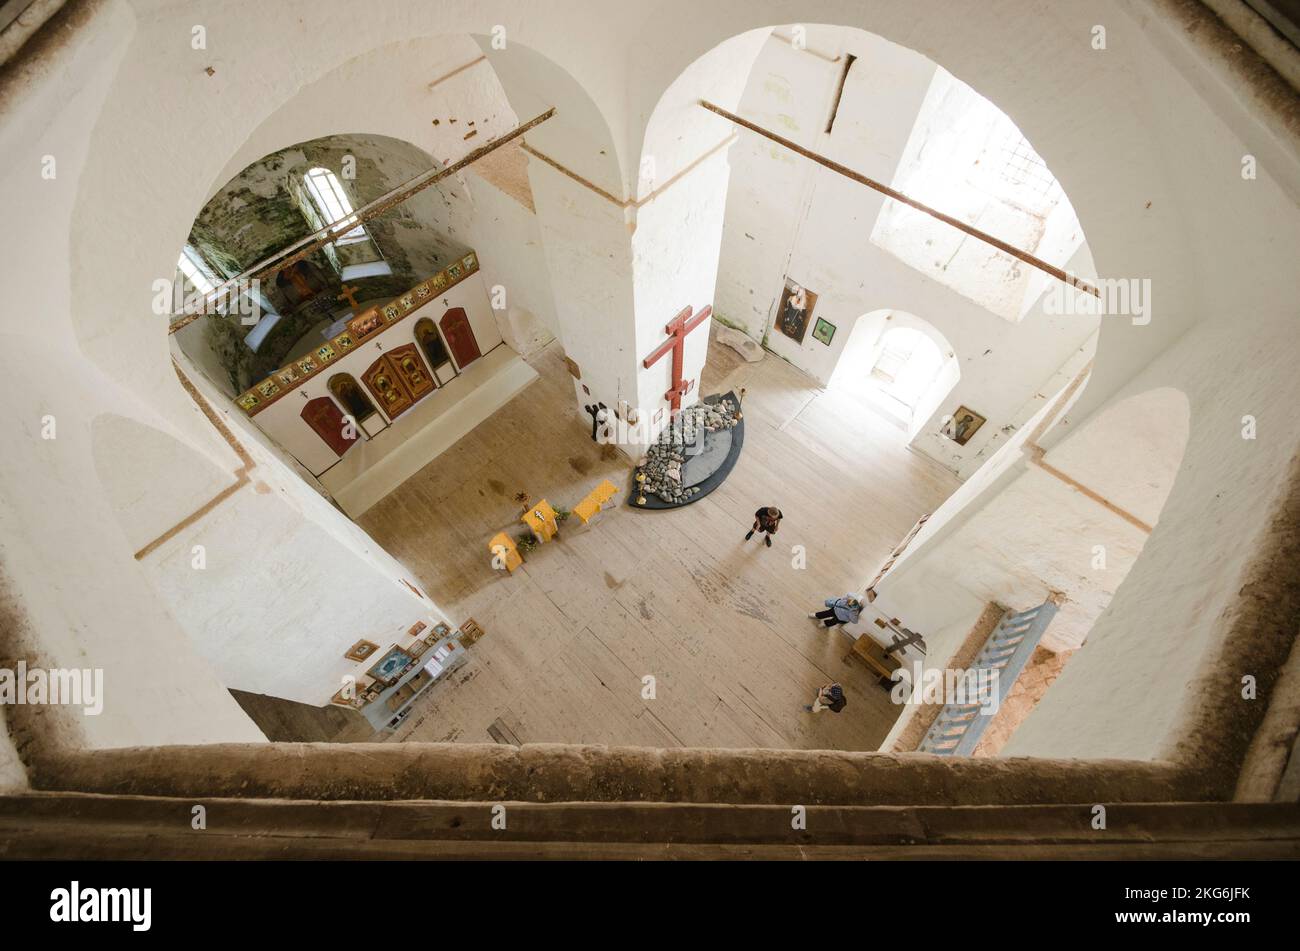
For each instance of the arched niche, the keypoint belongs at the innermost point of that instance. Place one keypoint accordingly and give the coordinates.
(351, 397)
(434, 347)
(867, 345)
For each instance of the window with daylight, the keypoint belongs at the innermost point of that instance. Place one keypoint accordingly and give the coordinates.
(333, 204)
(967, 158)
(197, 271)
(1024, 169)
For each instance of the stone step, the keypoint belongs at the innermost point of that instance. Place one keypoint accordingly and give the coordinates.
(542, 772)
(73, 825)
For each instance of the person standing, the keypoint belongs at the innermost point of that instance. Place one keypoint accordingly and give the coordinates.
(838, 611)
(766, 520)
(829, 697)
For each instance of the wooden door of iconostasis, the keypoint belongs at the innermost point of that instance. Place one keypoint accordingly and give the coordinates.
(460, 336)
(327, 421)
(399, 379)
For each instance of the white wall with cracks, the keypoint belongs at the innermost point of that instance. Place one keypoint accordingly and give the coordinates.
(1134, 133)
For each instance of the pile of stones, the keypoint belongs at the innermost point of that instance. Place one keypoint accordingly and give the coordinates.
(662, 463)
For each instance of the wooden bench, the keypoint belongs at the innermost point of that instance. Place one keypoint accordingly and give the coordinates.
(591, 506)
(871, 652)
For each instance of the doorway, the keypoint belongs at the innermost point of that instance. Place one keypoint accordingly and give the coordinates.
(908, 363)
(900, 365)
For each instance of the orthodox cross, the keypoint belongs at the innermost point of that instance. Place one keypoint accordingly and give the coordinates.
(350, 295)
(677, 330)
(910, 637)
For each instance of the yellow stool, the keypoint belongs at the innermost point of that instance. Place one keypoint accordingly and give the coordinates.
(503, 547)
(590, 507)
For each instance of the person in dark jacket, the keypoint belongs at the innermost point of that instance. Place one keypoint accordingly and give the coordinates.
(766, 520)
(843, 610)
(829, 697)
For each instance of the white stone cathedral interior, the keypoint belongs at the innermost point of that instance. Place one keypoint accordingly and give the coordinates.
(765, 405)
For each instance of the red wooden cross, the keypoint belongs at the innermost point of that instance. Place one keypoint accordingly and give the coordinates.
(677, 330)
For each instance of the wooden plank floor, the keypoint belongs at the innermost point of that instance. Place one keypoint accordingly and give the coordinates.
(719, 623)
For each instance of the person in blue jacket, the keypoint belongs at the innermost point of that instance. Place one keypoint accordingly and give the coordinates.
(843, 610)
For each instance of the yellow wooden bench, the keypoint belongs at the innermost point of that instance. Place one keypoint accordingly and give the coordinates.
(590, 507)
(502, 547)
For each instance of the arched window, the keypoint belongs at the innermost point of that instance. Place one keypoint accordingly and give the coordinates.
(353, 399)
(431, 342)
(333, 203)
(197, 271)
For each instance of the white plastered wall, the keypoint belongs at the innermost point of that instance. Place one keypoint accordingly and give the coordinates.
(270, 587)
(87, 600)
(1040, 535)
(1130, 686)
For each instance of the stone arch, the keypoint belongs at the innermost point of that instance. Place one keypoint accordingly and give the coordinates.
(863, 348)
(650, 68)
(267, 205)
(744, 292)
(1113, 240)
(198, 153)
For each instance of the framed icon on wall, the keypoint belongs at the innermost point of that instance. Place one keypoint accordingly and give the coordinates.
(795, 310)
(824, 331)
(962, 425)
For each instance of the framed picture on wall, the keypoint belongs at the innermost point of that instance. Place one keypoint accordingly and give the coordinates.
(824, 331)
(361, 650)
(390, 666)
(795, 310)
(962, 425)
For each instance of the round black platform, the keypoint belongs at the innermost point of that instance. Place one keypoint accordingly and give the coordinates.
(705, 469)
